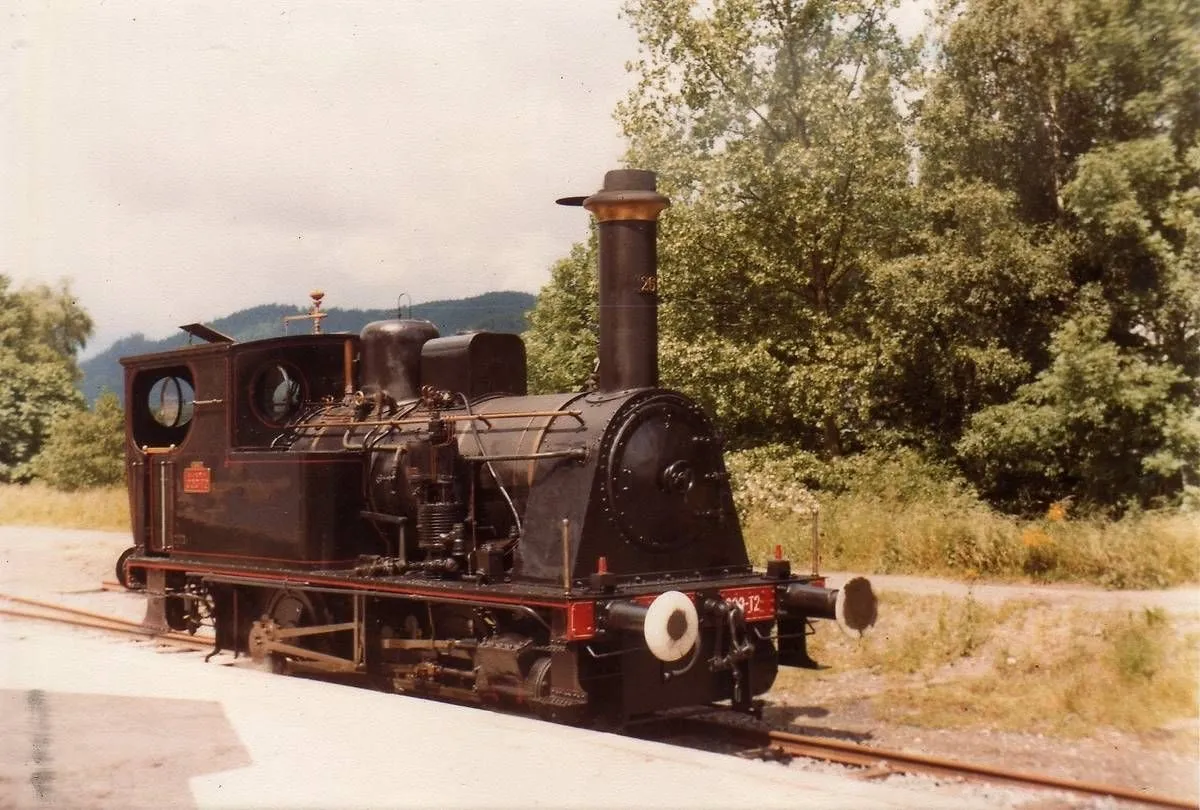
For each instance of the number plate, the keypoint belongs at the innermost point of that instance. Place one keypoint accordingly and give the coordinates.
(757, 603)
(197, 478)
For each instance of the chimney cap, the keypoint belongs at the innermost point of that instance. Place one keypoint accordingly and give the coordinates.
(630, 180)
(643, 183)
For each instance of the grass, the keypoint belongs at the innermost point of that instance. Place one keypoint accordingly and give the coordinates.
(901, 514)
(1147, 550)
(1020, 666)
(36, 504)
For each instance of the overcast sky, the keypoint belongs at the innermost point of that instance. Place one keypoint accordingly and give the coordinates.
(180, 161)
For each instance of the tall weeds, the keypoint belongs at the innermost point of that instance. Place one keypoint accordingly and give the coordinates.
(36, 504)
(901, 515)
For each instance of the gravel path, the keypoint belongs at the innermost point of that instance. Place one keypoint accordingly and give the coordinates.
(1175, 600)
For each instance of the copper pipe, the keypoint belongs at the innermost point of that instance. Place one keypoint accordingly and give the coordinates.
(485, 418)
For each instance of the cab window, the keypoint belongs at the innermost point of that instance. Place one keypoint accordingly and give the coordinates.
(162, 405)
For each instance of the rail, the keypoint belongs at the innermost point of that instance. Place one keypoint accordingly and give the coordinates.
(61, 614)
(882, 762)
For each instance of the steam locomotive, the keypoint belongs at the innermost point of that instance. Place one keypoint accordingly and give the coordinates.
(393, 504)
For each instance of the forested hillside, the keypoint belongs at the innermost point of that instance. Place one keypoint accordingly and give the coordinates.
(497, 311)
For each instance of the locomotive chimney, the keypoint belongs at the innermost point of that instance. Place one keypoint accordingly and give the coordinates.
(626, 212)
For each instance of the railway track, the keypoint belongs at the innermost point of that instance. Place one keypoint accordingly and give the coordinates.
(61, 614)
(881, 762)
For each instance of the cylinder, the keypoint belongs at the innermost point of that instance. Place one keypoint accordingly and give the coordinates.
(626, 212)
(810, 600)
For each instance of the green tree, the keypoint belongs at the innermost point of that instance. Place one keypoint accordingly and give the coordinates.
(1100, 425)
(84, 449)
(563, 325)
(1024, 88)
(1087, 113)
(1136, 213)
(964, 320)
(40, 331)
(817, 291)
(775, 130)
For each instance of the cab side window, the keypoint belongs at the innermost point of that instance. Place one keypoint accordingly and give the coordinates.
(277, 393)
(274, 391)
(162, 405)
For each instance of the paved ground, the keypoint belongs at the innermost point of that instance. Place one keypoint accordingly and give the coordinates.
(88, 720)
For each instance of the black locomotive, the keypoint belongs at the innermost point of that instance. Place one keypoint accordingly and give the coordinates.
(394, 504)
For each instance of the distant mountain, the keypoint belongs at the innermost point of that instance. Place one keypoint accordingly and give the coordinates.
(497, 311)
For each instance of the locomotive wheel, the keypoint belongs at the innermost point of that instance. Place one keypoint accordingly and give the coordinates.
(179, 618)
(537, 682)
(537, 689)
(288, 609)
(128, 578)
(293, 609)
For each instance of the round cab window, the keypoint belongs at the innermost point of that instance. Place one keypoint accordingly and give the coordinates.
(171, 401)
(278, 394)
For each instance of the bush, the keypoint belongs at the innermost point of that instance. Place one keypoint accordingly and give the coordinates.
(1101, 425)
(85, 449)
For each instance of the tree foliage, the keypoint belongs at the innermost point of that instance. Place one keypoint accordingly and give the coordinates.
(1023, 89)
(564, 323)
(775, 130)
(963, 320)
(84, 449)
(1100, 425)
(41, 329)
(1088, 113)
(1002, 269)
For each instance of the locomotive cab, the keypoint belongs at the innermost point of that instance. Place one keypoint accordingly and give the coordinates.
(208, 475)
